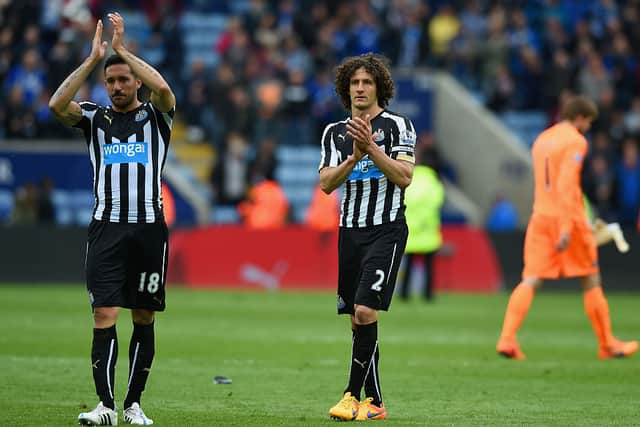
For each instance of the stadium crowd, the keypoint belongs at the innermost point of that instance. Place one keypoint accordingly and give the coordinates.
(268, 74)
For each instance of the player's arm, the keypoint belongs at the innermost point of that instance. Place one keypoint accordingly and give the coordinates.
(332, 177)
(399, 172)
(568, 177)
(333, 173)
(162, 96)
(61, 103)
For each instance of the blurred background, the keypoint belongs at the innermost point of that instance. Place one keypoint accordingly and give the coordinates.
(254, 86)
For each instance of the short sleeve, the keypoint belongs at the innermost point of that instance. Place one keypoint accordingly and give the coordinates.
(403, 147)
(89, 109)
(166, 116)
(329, 155)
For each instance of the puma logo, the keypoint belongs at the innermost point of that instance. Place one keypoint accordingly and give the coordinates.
(363, 365)
(341, 136)
(95, 364)
(146, 369)
(108, 118)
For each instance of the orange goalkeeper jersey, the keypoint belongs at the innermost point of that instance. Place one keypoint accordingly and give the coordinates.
(558, 154)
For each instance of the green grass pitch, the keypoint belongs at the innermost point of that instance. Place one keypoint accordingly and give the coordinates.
(287, 354)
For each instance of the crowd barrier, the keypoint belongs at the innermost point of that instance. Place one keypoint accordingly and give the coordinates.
(298, 257)
(231, 256)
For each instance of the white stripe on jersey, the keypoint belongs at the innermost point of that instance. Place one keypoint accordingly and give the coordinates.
(99, 174)
(333, 161)
(132, 215)
(148, 177)
(115, 190)
(364, 202)
(396, 203)
(350, 212)
(161, 150)
(382, 189)
(402, 126)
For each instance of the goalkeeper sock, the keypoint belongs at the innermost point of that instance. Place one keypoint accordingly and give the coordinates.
(517, 309)
(597, 309)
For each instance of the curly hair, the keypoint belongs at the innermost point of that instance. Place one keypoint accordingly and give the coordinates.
(374, 64)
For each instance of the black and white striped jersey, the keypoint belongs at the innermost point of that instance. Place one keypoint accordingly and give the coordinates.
(127, 151)
(369, 198)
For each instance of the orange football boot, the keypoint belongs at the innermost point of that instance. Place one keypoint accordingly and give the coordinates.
(346, 409)
(510, 349)
(369, 411)
(618, 349)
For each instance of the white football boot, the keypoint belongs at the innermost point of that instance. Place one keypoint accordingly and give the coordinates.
(100, 416)
(135, 415)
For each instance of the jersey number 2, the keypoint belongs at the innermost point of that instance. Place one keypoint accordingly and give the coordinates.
(377, 286)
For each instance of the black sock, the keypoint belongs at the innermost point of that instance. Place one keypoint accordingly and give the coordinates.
(364, 346)
(141, 351)
(372, 381)
(405, 284)
(104, 354)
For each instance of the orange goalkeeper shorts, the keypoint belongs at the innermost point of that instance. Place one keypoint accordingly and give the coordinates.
(543, 261)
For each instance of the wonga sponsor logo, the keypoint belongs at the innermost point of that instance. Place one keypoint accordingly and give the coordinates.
(125, 152)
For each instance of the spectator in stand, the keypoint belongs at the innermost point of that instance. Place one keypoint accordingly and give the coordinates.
(265, 207)
(29, 76)
(443, 28)
(324, 211)
(19, 120)
(428, 151)
(503, 215)
(296, 105)
(25, 207)
(599, 186)
(501, 92)
(46, 212)
(632, 118)
(229, 179)
(628, 172)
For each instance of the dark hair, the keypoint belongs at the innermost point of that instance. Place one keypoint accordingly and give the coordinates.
(578, 106)
(376, 65)
(112, 60)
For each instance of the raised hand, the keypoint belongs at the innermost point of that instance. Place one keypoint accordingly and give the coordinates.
(360, 130)
(117, 42)
(98, 47)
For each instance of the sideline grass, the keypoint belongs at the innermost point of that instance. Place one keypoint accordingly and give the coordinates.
(287, 356)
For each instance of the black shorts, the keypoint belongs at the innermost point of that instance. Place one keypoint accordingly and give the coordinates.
(368, 264)
(127, 264)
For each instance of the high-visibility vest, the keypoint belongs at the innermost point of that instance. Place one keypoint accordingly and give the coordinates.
(424, 198)
(324, 211)
(168, 205)
(265, 207)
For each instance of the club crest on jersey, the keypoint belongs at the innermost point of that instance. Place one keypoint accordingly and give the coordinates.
(125, 152)
(141, 115)
(378, 135)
